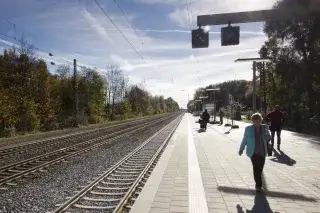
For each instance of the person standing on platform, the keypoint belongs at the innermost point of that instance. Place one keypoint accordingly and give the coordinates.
(205, 118)
(276, 117)
(256, 140)
(221, 114)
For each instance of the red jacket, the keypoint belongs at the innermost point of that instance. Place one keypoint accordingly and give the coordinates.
(276, 118)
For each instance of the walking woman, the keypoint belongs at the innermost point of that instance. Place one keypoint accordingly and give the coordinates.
(256, 140)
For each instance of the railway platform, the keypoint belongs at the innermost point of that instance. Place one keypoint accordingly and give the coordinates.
(201, 172)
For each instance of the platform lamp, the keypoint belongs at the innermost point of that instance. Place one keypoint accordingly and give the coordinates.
(254, 67)
(214, 100)
(197, 101)
(203, 97)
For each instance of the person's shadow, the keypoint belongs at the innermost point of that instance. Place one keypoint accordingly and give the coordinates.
(261, 205)
(281, 157)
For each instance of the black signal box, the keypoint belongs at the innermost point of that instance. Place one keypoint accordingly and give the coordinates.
(230, 36)
(200, 38)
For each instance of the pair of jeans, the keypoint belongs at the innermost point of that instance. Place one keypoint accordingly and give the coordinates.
(273, 130)
(258, 164)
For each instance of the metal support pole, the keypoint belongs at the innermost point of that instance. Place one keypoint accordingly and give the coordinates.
(264, 89)
(254, 108)
(215, 107)
(232, 114)
(261, 85)
(75, 95)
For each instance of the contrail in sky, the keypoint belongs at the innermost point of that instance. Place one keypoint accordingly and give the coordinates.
(186, 31)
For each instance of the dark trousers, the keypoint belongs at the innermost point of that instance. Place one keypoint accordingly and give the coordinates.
(258, 164)
(273, 131)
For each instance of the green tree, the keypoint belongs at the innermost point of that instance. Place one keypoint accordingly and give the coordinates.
(298, 41)
(126, 108)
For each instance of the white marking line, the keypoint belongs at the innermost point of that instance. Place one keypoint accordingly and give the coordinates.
(197, 198)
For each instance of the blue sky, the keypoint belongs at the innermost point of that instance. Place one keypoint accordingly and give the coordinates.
(78, 29)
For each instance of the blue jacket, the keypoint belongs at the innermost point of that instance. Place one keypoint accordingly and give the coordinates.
(249, 140)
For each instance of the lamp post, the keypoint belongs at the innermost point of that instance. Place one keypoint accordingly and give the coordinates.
(214, 101)
(75, 92)
(199, 101)
(188, 94)
(254, 67)
(202, 98)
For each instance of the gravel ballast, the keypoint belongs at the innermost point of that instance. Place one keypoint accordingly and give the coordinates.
(30, 152)
(41, 191)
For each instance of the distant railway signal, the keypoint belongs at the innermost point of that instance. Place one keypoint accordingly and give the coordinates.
(200, 38)
(230, 35)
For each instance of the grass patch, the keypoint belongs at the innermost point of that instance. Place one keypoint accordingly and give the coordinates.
(39, 134)
(245, 120)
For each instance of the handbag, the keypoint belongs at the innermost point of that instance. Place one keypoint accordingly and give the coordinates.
(268, 138)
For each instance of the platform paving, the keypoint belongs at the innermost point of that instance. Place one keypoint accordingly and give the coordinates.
(202, 172)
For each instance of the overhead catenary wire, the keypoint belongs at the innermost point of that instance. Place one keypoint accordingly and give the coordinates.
(31, 46)
(15, 38)
(132, 46)
(43, 51)
(129, 22)
(14, 25)
(135, 32)
(190, 26)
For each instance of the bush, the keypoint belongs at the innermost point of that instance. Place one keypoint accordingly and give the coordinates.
(84, 120)
(249, 114)
(8, 132)
(67, 122)
(28, 122)
(95, 119)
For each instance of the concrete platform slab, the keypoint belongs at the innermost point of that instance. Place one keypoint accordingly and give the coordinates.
(202, 172)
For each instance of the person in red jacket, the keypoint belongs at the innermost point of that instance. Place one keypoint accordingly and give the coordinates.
(276, 118)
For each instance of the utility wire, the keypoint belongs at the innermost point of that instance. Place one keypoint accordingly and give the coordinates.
(15, 38)
(37, 48)
(120, 31)
(130, 24)
(190, 23)
(14, 25)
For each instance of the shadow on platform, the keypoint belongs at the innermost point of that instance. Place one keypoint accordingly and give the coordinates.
(281, 157)
(273, 194)
(228, 132)
(261, 205)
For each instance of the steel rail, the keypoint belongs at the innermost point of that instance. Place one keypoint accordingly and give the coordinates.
(14, 171)
(61, 139)
(124, 201)
(129, 163)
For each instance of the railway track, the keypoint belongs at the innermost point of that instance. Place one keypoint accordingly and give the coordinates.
(20, 169)
(70, 138)
(116, 189)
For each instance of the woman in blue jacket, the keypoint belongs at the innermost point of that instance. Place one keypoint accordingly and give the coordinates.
(256, 140)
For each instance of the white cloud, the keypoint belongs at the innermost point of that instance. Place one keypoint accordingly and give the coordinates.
(185, 31)
(95, 24)
(92, 39)
(201, 7)
(159, 1)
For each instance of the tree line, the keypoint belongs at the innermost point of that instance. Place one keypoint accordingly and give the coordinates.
(33, 99)
(292, 75)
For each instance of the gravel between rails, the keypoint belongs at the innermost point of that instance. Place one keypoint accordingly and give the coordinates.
(41, 191)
